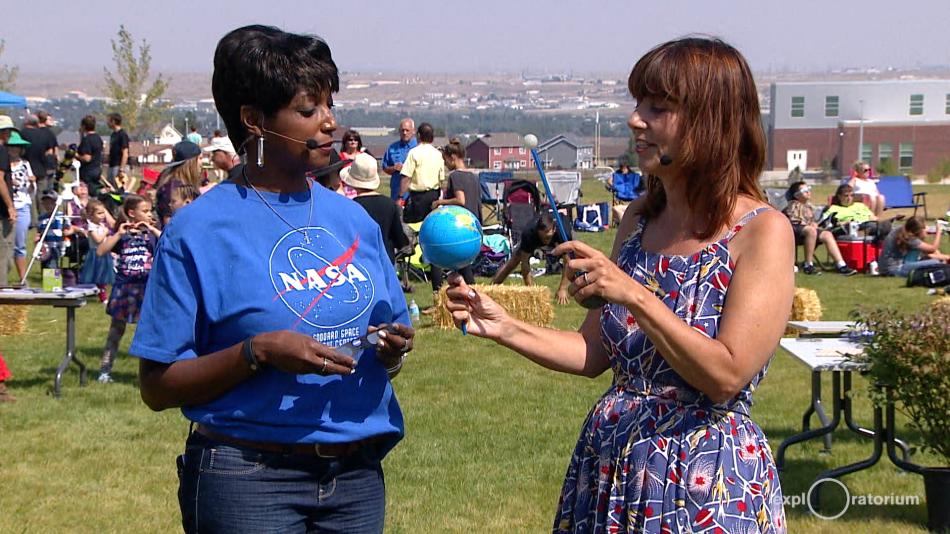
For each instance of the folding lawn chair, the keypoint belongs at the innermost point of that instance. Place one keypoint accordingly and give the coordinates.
(898, 193)
(493, 189)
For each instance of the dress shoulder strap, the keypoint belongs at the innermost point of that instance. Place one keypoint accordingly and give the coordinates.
(744, 220)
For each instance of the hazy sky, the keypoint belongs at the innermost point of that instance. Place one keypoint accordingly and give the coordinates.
(488, 35)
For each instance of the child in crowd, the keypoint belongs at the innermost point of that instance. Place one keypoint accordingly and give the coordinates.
(134, 242)
(56, 242)
(905, 248)
(96, 269)
(24, 187)
(183, 195)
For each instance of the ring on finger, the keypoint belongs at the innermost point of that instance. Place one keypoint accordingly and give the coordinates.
(405, 346)
(324, 369)
(586, 281)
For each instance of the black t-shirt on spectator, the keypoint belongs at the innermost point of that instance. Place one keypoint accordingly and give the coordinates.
(530, 240)
(90, 171)
(117, 141)
(383, 210)
(41, 140)
(466, 182)
(7, 178)
(51, 142)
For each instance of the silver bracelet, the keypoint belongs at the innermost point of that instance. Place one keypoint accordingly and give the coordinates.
(394, 369)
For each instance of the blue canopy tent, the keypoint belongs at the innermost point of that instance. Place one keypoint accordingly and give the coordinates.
(10, 100)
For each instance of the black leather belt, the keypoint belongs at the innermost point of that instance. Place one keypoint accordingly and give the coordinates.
(322, 450)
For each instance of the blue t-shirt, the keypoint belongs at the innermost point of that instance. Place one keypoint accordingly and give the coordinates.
(396, 153)
(228, 268)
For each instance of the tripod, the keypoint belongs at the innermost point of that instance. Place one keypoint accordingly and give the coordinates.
(38, 248)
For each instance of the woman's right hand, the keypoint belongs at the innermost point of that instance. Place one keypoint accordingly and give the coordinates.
(482, 315)
(293, 352)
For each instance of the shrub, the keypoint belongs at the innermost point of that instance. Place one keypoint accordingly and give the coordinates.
(939, 172)
(910, 355)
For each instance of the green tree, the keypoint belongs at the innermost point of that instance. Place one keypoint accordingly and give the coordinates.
(139, 103)
(8, 74)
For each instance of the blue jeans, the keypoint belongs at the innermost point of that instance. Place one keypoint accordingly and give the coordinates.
(23, 217)
(230, 489)
(910, 265)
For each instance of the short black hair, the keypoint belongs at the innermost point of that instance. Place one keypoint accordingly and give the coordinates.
(426, 132)
(265, 67)
(88, 123)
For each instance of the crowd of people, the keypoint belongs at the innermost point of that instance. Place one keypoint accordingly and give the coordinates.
(900, 247)
(270, 311)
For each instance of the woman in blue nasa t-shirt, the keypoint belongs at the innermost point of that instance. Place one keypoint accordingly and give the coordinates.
(254, 285)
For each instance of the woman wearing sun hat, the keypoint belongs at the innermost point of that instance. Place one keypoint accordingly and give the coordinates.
(363, 176)
(23, 188)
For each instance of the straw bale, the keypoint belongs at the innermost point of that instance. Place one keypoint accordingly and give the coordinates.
(531, 304)
(942, 302)
(13, 320)
(805, 307)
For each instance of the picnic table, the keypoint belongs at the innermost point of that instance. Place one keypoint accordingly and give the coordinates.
(835, 355)
(69, 298)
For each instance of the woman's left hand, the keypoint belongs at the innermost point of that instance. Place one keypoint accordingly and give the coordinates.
(600, 276)
(395, 341)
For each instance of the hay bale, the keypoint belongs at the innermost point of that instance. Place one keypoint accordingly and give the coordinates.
(13, 320)
(805, 307)
(942, 302)
(531, 304)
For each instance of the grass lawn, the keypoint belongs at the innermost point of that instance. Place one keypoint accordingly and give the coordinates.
(488, 436)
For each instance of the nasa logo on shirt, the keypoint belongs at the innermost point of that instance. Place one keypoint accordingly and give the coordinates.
(322, 282)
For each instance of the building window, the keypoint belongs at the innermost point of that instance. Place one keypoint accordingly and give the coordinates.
(906, 162)
(524, 164)
(916, 104)
(866, 152)
(885, 153)
(831, 106)
(521, 150)
(497, 151)
(947, 109)
(496, 165)
(798, 106)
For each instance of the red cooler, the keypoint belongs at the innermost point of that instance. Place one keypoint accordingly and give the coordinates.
(858, 253)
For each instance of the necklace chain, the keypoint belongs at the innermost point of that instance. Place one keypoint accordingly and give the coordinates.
(303, 231)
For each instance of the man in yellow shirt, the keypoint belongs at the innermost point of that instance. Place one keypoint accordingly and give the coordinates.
(422, 175)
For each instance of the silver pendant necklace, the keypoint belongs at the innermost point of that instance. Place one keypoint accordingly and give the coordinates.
(303, 231)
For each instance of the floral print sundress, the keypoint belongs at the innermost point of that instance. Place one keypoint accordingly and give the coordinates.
(655, 454)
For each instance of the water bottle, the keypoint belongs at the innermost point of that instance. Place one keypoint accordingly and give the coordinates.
(873, 269)
(413, 310)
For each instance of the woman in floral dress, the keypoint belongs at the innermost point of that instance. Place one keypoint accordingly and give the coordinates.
(671, 447)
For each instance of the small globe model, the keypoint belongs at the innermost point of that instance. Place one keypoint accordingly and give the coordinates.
(450, 237)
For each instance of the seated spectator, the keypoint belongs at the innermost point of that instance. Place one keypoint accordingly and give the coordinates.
(904, 248)
(863, 184)
(801, 214)
(625, 185)
(844, 209)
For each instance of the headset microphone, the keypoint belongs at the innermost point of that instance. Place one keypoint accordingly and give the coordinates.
(665, 160)
(311, 143)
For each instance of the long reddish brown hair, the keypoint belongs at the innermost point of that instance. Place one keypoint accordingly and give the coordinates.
(722, 146)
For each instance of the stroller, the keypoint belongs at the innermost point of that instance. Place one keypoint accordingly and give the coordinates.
(521, 203)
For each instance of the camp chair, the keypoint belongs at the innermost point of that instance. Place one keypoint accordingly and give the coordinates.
(898, 193)
(566, 188)
(492, 185)
(409, 258)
